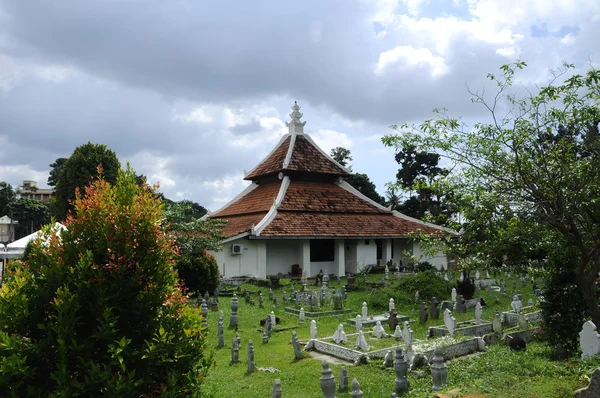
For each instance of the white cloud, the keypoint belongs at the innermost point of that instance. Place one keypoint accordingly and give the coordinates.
(407, 55)
(329, 139)
(197, 115)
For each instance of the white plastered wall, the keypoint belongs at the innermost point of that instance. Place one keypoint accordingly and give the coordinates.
(252, 261)
(366, 254)
(438, 260)
(281, 255)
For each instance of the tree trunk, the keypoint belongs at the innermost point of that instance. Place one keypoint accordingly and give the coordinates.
(587, 286)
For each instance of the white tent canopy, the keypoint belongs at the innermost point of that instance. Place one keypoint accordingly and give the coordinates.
(15, 249)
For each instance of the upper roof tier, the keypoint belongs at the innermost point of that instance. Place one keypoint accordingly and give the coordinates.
(296, 152)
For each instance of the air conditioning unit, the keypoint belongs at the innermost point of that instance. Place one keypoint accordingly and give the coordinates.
(236, 249)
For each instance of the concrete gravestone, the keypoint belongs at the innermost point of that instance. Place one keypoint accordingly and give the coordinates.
(364, 310)
(478, 312)
(453, 294)
(361, 342)
(423, 314)
(327, 381)
(250, 357)
(516, 304)
(358, 323)
(276, 389)
(393, 320)
(313, 329)
(343, 379)
(449, 321)
(296, 345)
(589, 339)
(497, 323)
(407, 335)
(398, 333)
(339, 336)
(434, 309)
(378, 330)
(356, 391)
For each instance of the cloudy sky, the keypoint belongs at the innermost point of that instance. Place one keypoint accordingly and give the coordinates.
(194, 92)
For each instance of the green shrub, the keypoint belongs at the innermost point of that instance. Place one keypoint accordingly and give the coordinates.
(198, 270)
(97, 310)
(424, 266)
(466, 287)
(427, 283)
(563, 310)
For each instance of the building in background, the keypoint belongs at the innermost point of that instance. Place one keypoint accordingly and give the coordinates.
(30, 190)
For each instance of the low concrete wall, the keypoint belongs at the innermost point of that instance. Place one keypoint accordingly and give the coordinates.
(474, 330)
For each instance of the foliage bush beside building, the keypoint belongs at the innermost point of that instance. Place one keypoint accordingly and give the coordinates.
(98, 310)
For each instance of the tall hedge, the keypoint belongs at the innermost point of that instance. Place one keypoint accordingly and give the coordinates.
(97, 310)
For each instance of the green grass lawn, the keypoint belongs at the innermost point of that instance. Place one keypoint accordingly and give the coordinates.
(497, 373)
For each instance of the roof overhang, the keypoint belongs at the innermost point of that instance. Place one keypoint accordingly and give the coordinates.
(260, 237)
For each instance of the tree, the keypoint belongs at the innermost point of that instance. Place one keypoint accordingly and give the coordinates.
(78, 170)
(31, 214)
(540, 158)
(55, 169)
(7, 196)
(197, 268)
(361, 182)
(392, 197)
(342, 156)
(421, 176)
(97, 309)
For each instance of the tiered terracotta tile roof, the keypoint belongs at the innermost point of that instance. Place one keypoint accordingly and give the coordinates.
(308, 224)
(259, 199)
(308, 196)
(273, 164)
(313, 204)
(305, 157)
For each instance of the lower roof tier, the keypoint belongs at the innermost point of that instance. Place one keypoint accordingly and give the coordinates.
(289, 224)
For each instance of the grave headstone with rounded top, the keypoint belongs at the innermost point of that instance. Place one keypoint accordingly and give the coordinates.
(343, 387)
(276, 389)
(364, 310)
(251, 366)
(358, 323)
(313, 329)
(478, 312)
(589, 340)
(233, 319)
(423, 314)
(401, 368)
(434, 310)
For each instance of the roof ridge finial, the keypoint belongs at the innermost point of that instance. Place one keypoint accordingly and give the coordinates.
(296, 115)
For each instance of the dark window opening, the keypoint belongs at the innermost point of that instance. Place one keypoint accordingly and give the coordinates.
(379, 245)
(322, 250)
